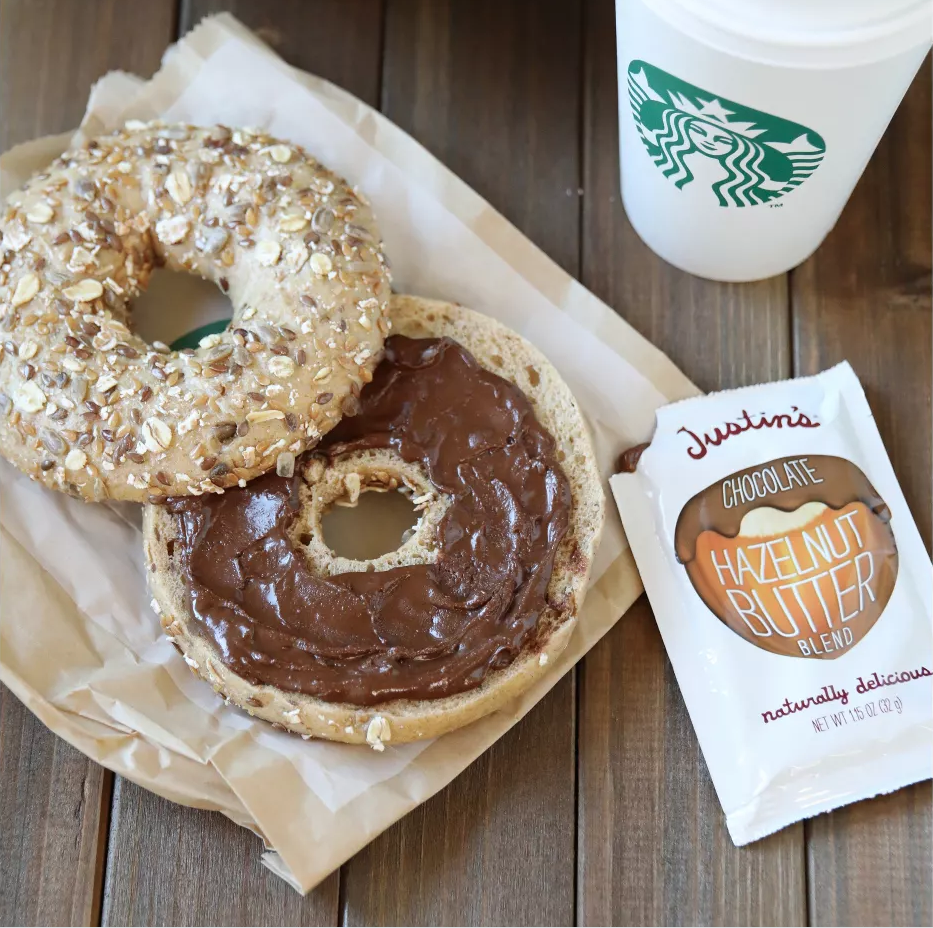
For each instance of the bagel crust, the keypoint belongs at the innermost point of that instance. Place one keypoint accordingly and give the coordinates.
(88, 407)
(505, 353)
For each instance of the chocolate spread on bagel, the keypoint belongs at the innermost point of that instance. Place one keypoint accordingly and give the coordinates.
(412, 632)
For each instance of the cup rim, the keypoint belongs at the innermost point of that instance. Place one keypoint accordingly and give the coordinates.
(885, 37)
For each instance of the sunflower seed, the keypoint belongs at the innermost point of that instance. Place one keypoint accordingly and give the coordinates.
(269, 334)
(359, 232)
(224, 432)
(323, 220)
(52, 441)
(85, 189)
(156, 434)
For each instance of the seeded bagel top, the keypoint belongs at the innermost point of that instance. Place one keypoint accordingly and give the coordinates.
(88, 407)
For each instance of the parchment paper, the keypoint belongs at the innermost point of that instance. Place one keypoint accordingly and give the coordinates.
(79, 643)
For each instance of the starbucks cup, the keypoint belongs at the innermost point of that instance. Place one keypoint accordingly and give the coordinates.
(745, 124)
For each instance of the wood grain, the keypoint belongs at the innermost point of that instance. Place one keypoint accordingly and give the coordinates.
(54, 50)
(340, 40)
(493, 848)
(865, 296)
(157, 847)
(53, 800)
(171, 865)
(653, 848)
(493, 90)
(52, 824)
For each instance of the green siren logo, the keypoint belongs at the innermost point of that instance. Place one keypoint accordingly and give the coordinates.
(744, 156)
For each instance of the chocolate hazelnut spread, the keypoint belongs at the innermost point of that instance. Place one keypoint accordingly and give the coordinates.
(414, 632)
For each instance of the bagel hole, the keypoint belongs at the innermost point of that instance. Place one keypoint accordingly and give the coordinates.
(179, 309)
(376, 525)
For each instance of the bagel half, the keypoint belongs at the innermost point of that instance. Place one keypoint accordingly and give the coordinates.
(507, 354)
(90, 408)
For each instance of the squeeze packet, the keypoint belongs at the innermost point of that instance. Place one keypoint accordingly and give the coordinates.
(793, 593)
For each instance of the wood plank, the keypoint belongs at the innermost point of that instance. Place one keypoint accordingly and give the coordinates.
(171, 865)
(865, 296)
(654, 849)
(53, 800)
(493, 848)
(156, 847)
(53, 822)
(54, 50)
(493, 90)
(340, 40)
(652, 838)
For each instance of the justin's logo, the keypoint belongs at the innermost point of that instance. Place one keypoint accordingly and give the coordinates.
(796, 555)
(744, 156)
(700, 444)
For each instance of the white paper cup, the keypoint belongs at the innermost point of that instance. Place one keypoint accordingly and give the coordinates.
(745, 124)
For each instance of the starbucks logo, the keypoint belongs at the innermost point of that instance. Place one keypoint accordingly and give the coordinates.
(744, 156)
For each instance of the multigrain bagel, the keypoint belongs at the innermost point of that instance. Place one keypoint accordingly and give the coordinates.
(88, 407)
(498, 350)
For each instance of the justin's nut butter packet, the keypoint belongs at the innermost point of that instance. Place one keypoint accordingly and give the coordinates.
(793, 594)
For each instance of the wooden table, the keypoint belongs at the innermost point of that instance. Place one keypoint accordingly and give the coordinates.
(597, 808)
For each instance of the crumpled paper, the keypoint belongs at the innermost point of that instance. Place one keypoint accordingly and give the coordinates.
(80, 644)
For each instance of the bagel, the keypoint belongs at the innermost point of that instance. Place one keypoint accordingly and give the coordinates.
(88, 407)
(339, 472)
